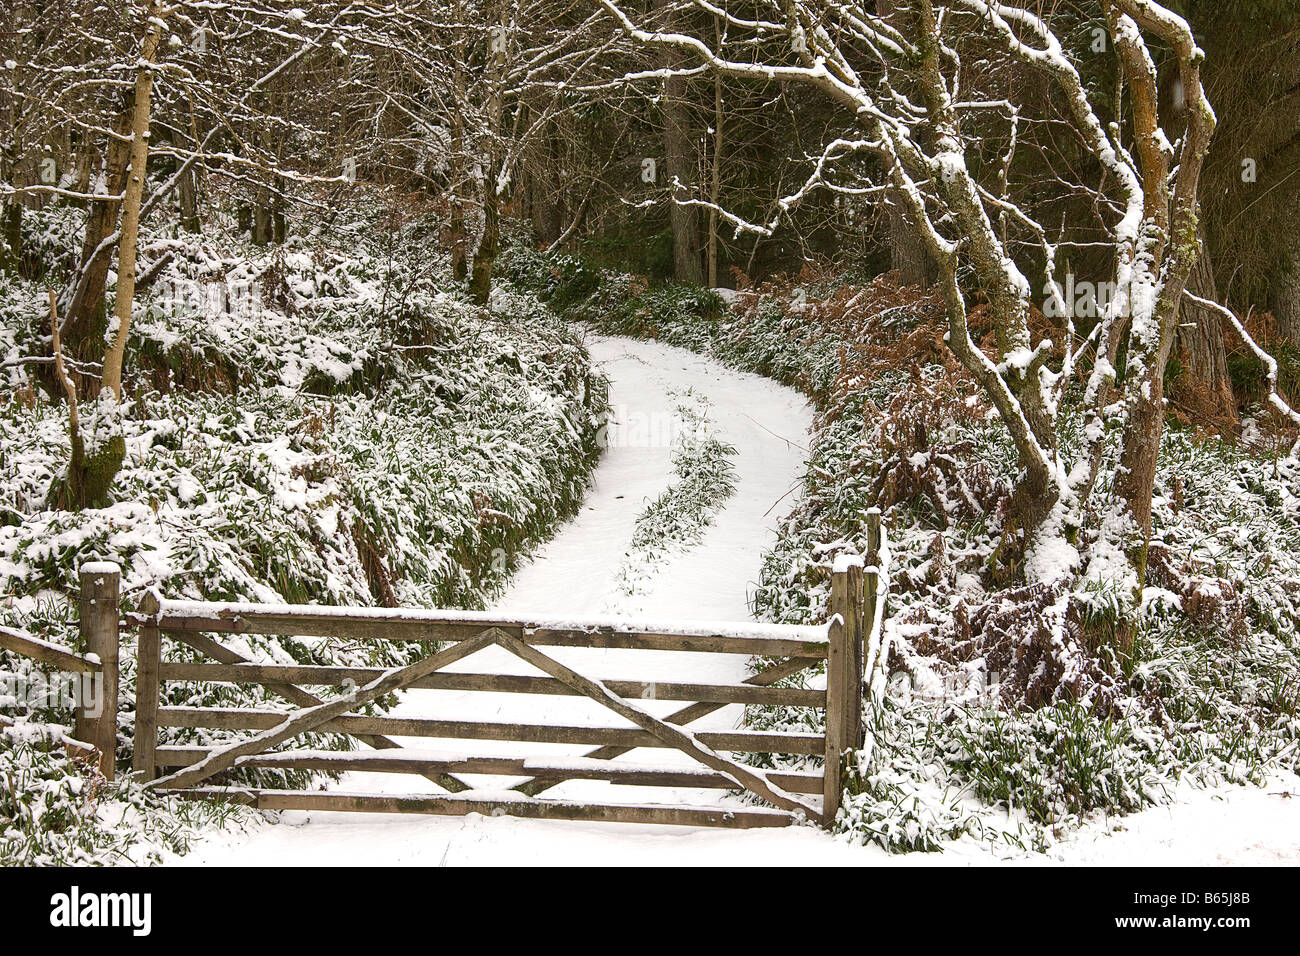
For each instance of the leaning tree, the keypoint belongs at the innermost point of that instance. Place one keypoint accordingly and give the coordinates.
(942, 96)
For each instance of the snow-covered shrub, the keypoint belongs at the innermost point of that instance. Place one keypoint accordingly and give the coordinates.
(1060, 762)
(55, 811)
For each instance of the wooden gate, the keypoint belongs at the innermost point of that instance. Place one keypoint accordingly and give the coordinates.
(849, 645)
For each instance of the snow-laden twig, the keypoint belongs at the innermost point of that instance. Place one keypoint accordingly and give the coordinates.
(1275, 399)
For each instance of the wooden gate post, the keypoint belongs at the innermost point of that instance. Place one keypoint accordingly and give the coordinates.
(97, 716)
(871, 583)
(148, 657)
(844, 662)
(873, 536)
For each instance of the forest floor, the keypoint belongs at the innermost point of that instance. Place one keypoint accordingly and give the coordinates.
(591, 568)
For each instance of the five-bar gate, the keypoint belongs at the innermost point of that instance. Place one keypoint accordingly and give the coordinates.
(849, 645)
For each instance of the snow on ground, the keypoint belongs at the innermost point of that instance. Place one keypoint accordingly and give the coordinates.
(578, 574)
(1243, 826)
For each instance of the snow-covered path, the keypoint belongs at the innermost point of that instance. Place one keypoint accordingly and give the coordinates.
(578, 573)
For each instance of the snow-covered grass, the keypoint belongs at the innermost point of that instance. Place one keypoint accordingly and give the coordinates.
(978, 735)
(704, 478)
(57, 812)
(326, 422)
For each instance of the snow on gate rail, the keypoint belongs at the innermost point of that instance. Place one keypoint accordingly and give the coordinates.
(849, 644)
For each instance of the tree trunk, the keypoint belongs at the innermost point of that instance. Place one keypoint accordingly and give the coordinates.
(1204, 389)
(86, 317)
(544, 186)
(545, 211)
(458, 233)
(907, 254)
(279, 222)
(680, 167)
(715, 185)
(1286, 298)
(480, 280)
(85, 164)
(132, 201)
(187, 195)
(485, 252)
(262, 227)
(1172, 213)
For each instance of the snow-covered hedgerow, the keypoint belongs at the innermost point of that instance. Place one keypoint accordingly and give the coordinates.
(990, 726)
(329, 421)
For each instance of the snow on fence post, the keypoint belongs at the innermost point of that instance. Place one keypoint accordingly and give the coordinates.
(148, 662)
(96, 721)
(844, 662)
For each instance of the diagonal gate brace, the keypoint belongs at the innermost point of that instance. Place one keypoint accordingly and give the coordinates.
(301, 721)
(296, 695)
(744, 777)
(688, 714)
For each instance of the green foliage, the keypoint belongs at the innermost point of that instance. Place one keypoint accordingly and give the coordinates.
(1058, 762)
(1288, 369)
(1247, 374)
(54, 812)
(616, 303)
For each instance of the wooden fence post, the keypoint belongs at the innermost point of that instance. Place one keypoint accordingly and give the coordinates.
(871, 582)
(97, 717)
(854, 728)
(844, 661)
(148, 661)
(871, 576)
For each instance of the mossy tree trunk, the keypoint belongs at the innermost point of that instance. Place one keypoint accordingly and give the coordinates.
(98, 445)
(89, 479)
(480, 279)
(1169, 246)
(1204, 388)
